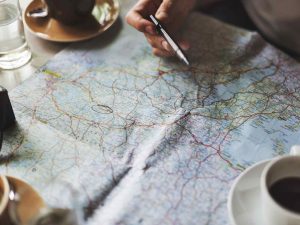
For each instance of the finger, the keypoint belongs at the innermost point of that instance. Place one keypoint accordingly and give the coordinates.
(138, 15)
(161, 53)
(155, 41)
(172, 14)
(159, 42)
(165, 11)
(184, 44)
(136, 20)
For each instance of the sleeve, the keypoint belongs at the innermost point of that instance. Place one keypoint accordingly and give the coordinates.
(278, 20)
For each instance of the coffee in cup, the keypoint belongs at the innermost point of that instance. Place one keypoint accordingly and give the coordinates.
(69, 11)
(286, 192)
(280, 190)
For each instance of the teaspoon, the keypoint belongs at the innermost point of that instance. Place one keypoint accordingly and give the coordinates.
(38, 13)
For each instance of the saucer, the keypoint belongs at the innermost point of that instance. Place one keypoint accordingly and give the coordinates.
(30, 201)
(244, 203)
(105, 13)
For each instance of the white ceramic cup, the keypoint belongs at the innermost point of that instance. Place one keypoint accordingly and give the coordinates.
(277, 169)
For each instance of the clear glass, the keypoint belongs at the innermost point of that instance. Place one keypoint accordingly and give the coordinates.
(14, 51)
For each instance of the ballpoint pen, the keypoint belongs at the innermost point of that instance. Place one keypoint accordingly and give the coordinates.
(170, 41)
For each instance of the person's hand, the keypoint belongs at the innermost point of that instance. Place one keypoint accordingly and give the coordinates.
(172, 14)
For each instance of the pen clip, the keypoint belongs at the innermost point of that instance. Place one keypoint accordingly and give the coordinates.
(157, 24)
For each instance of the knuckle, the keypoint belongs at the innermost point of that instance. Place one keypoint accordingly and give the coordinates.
(164, 17)
(128, 15)
(151, 42)
(139, 26)
(156, 52)
(134, 20)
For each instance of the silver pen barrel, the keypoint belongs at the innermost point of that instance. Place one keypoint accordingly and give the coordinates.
(170, 41)
(182, 57)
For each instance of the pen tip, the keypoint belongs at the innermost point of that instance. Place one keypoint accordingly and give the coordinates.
(186, 62)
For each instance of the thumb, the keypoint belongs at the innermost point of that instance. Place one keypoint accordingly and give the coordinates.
(165, 11)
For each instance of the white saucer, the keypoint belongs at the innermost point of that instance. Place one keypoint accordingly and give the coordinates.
(244, 204)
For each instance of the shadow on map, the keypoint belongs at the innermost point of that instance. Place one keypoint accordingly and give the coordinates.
(216, 44)
(11, 145)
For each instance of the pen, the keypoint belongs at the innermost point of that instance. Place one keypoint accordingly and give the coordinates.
(171, 42)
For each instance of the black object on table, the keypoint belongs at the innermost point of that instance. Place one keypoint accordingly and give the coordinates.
(7, 116)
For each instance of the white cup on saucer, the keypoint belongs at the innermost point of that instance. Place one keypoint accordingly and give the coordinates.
(276, 170)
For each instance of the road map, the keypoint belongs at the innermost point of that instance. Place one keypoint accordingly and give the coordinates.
(150, 141)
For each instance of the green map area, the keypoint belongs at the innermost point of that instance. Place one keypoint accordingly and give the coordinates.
(151, 141)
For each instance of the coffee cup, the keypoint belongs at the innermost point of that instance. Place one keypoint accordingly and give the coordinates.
(280, 190)
(4, 200)
(69, 11)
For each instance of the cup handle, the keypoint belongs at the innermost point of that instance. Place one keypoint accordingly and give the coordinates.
(295, 150)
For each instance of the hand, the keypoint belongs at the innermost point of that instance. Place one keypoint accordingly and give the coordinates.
(171, 13)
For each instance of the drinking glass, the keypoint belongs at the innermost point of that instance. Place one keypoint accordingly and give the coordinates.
(14, 51)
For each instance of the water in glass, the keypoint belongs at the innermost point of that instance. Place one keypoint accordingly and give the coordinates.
(14, 51)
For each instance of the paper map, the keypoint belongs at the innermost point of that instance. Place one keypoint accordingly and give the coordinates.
(151, 141)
